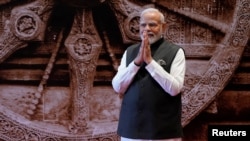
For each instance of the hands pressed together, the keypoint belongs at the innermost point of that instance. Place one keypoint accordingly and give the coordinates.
(144, 54)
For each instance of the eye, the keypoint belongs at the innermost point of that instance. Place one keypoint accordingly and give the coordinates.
(143, 24)
(152, 24)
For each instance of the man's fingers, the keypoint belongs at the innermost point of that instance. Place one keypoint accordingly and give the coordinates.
(144, 34)
(146, 41)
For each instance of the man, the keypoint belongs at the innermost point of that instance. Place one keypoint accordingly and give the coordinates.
(150, 77)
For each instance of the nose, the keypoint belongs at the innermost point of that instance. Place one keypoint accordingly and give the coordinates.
(147, 27)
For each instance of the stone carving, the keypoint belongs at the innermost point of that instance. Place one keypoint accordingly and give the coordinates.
(222, 66)
(83, 45)
(77, 113)
(26, 23)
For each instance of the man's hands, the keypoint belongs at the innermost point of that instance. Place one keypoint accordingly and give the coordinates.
(144, 54)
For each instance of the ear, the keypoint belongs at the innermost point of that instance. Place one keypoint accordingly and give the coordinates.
(164, 27)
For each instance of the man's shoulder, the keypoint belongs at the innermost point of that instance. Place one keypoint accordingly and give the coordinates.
(133, 46)
(171, 44)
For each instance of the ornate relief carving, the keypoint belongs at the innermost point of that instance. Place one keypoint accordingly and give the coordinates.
(85, 114)
(13, 130)
(83, 45)
(132, 28)
(221, 67)
(82, 48)
(27, 23)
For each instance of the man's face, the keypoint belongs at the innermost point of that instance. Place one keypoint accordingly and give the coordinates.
(151, 23)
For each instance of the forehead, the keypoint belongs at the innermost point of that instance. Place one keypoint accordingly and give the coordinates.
(150, 17)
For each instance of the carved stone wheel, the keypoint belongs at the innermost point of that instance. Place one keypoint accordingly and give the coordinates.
(213, 33)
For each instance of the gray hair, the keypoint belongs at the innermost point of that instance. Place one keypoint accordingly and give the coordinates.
(148, 10)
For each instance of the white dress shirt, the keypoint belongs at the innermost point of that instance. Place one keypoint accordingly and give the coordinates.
(171, 82)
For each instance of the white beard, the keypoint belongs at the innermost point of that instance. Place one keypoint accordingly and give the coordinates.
(154, 37)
